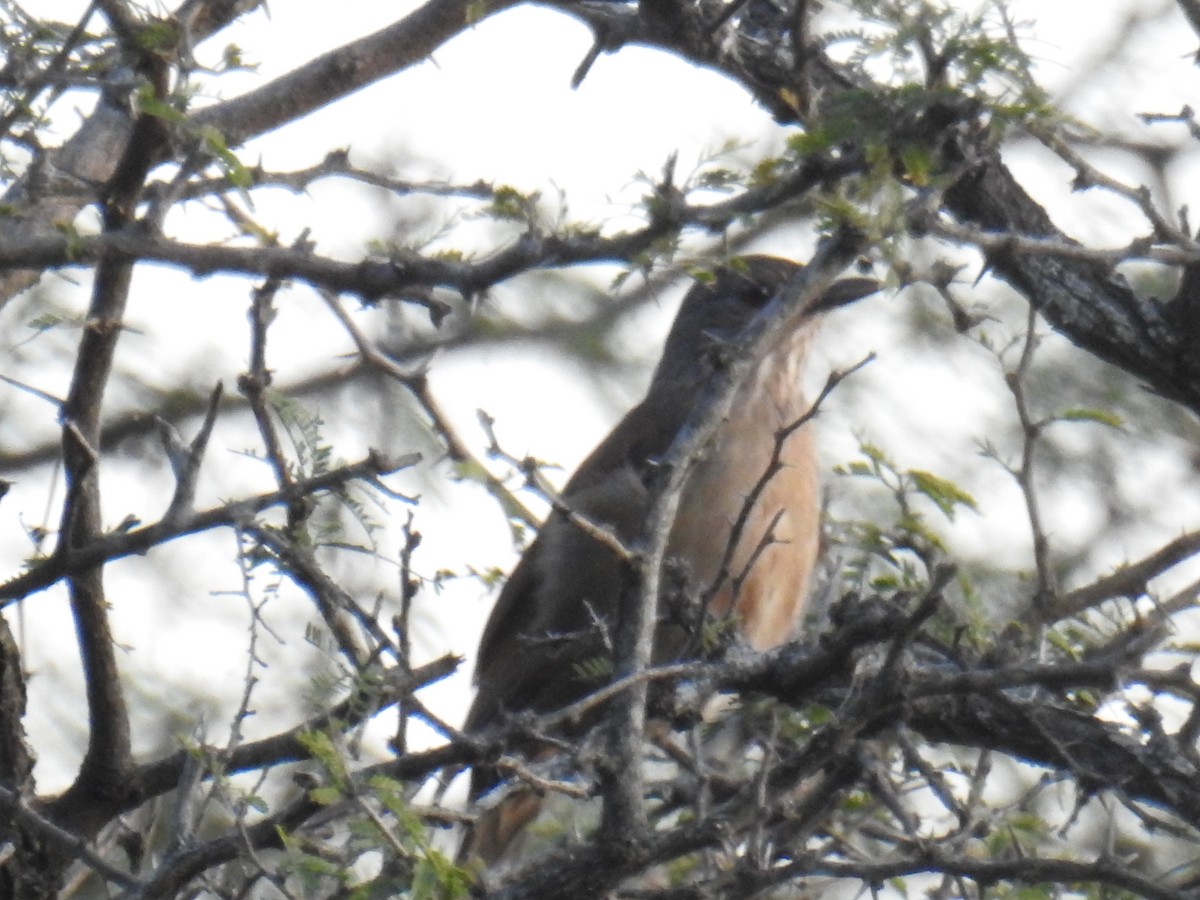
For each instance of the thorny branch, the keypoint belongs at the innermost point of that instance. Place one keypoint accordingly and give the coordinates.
(373, 279)
(846, 710)
(116, 545)
(418, 385)
(103, 774)
(1047, 587)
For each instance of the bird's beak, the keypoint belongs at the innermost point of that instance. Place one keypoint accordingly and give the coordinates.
(845, 291)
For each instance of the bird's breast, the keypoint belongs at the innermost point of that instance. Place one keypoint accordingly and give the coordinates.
(748, 522)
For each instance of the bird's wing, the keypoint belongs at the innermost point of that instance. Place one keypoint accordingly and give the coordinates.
(545, 597)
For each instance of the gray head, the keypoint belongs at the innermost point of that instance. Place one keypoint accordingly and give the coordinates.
(719, 309)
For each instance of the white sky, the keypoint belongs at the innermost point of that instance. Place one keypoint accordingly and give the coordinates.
(496, 103)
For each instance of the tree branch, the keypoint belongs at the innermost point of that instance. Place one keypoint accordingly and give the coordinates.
(116, 545)
(103, 776)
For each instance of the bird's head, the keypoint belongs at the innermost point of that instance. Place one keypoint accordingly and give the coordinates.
(718, 308)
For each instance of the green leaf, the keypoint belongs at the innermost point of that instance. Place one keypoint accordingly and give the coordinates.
(476, 10)
(811, 140)
(255, 802)
(597, 668)
(325, 796)
(873, 453)
(321, 747)
(1083, 414)
(215, 143)
(510, 204)
(437, 878)
(766, 171)
(918, 165)
(946, 495)
(74, 239)
(158, 35)
(148, 104)
(718, 177)
(45, 322)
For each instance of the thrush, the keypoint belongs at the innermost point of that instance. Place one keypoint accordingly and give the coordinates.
(554, 617)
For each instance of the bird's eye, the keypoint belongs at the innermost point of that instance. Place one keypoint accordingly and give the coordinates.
(762, 295)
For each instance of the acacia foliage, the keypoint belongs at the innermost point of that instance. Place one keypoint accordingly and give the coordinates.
(950, 721)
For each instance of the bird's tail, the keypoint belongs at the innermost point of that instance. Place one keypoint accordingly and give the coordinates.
(498, 828)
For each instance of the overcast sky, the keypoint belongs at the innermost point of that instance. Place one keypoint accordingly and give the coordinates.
(496, 104)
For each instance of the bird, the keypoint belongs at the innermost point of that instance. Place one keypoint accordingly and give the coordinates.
(554, 616)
